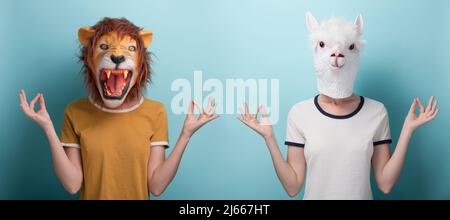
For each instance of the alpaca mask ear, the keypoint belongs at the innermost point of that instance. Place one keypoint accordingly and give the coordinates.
(359, 24)
(311, 22)
(85, 34)
(147, 37)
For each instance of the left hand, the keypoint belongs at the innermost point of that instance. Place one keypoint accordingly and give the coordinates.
(193, 123)
(427, 114)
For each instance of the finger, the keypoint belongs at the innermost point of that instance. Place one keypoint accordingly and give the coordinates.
(191, 107)
(422, 109)
(243, 115)
(247, 114)
(21, 97)
(211, 106)
(42, 102)
(214, 106)
(208, 106)
(243, 121)
(255, 116)
(200, 109)
(413, 106)
(430, 103)
(26, 109)
(264, 112)
(434, 114)
(33, 102)
(240, 119)
(433, 108)
(212, 118)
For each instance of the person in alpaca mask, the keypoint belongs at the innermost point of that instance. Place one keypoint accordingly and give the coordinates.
(112, 144)
(338, 136)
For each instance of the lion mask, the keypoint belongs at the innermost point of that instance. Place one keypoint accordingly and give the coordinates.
(116, 62)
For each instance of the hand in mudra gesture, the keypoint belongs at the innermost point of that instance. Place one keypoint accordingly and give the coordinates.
(41, 116)
(262, 126)
(413, 120)
(192, 123)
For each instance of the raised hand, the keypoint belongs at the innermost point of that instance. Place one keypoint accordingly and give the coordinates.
(262, 127)
(193, 123)
(427, 114)
(41, 117)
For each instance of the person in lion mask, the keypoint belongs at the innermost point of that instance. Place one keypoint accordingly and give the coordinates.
(112, 143)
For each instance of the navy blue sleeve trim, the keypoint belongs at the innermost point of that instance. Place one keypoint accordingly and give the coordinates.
(294, 144)
(388, 141)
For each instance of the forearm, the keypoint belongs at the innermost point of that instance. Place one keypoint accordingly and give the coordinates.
(68, 173)
(393, 168)
(287, 175)
(166, 171)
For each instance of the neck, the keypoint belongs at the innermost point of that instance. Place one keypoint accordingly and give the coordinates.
(327, 99)
(129, 103)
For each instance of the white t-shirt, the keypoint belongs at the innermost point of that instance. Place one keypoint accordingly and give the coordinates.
(338, 149)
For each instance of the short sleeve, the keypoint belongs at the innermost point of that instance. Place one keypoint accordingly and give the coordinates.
(294, 134)
(382, 133)
(160, 135)
(69, 137)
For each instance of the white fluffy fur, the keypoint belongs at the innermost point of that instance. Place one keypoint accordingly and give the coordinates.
(335, 75)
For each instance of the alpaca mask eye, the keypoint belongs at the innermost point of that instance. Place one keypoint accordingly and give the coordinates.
(321, 44)
(104, 46)
(352, 47)
(132, 48)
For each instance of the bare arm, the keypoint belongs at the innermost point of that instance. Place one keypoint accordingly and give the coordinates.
(161, 171)
(291, 172)
(387, 169)
(66, 161)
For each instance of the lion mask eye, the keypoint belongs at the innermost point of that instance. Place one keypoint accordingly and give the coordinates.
(132, 48)
(104, 46)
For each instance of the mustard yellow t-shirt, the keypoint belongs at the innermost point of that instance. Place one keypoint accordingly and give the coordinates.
(115, 146)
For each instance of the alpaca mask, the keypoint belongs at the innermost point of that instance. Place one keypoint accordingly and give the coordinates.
(116, 64)
(336, 46)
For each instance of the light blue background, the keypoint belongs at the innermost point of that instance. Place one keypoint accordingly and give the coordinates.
(407, 55)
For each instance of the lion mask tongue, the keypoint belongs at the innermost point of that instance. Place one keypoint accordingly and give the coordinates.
(116, 83)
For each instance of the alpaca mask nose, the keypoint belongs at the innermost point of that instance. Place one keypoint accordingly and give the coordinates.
(337, 59)
(337, 55)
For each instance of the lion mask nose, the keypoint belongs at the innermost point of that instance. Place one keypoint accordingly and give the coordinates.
(117, 59)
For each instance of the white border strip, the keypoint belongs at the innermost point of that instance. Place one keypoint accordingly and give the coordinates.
(70, 145)
(117, 110)
(159, 143)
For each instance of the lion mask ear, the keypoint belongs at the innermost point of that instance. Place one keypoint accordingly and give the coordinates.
(85, 34)
(147, 37)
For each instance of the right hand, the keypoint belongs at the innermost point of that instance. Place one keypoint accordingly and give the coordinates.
(41, 117)
(193, 123)
(262, 127)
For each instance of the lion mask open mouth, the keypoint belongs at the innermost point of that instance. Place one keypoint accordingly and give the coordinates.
(115, 83)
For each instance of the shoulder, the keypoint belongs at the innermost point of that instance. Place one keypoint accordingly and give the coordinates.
(77, 105)
(154, 106)
(374, 105)
(301, 107)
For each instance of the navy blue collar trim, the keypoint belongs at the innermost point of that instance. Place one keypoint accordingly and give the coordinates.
(361, 103)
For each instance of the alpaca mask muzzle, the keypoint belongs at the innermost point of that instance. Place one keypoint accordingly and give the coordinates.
(337, 60)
